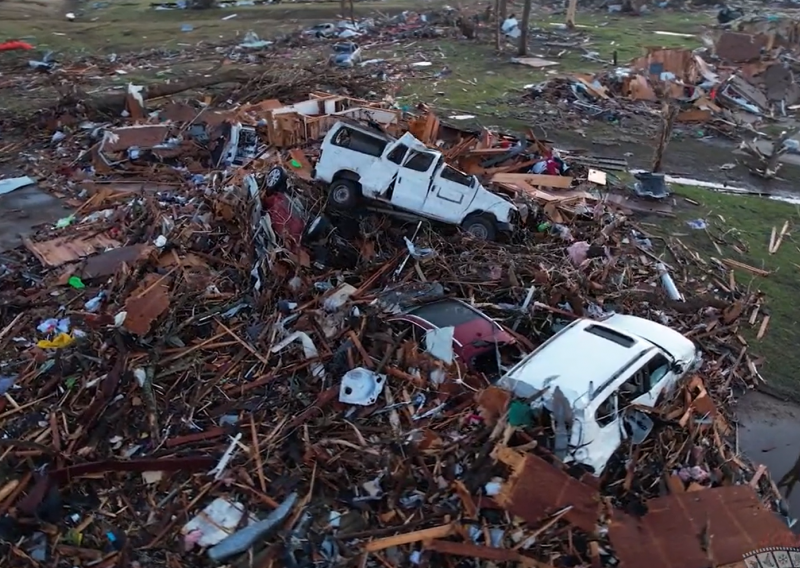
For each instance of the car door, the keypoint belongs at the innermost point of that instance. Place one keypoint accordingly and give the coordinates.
(450, 196)
(414, 181)
(383, 174)
(601, 433)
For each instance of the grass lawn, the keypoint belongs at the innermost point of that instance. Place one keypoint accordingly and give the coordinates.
(479, 76)
(745, 223)
(133, 25)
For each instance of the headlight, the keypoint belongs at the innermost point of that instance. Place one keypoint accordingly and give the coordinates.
(581, 454)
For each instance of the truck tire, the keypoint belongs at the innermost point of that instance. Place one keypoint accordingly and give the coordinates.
(344, 194)
(480, 226)
(276, 179)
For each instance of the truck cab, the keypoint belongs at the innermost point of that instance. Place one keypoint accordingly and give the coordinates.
(404, 175)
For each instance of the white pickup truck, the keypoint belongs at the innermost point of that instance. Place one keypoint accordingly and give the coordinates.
(407, 177)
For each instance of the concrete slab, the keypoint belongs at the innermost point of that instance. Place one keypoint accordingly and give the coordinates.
(22, 210)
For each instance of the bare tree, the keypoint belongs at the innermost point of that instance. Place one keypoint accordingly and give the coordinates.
(503, 10)
(523, 38)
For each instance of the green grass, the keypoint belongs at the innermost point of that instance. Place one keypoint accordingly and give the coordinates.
(134, 26)
(746, 222)
(480, 76)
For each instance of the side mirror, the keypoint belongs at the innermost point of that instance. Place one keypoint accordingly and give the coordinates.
(676, 367)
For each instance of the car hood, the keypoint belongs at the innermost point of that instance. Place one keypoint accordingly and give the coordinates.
(660, 335)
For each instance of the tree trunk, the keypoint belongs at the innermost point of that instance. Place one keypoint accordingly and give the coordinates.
(669, 113)
(571, 9)
(114, 103)
(524, 25)
(503, 10)
(497, 23)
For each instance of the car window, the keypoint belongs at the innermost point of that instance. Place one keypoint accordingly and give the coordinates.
(397, 154)
(607, 411)
(452, 174)
(610, 334)
(359, 142)
(445, 314)
(656, 369)
(634, 387)
(420, 161)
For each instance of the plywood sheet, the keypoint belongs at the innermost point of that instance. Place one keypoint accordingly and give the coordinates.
(69, 248)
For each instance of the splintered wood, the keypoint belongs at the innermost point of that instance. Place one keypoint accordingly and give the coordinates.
(259, 377)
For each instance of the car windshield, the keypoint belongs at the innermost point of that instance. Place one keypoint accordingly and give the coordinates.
(446, 313)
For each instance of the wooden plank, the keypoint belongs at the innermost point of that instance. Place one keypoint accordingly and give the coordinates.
(557, 182)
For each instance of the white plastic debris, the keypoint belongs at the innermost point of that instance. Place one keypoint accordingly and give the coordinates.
(419, 253)
(215, 523)
(12, 184)
(151, 477)
(140, 375)
(222, 464)
(309, 350)
(338, 298)
(361, 386)
(439, 343)
(492, 488)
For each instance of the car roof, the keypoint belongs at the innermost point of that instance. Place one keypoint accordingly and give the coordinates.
(471, 327)
(446, 312)
(584, 353)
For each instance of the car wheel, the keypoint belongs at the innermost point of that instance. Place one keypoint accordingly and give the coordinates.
(480, 226)
(344, 194)
(276, 179)
(316, 229)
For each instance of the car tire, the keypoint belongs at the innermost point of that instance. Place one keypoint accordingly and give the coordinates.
(276, 179)
(480, 226)
(317, 229)
(344, 194)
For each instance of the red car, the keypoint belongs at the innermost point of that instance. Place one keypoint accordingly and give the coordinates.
(476, 336)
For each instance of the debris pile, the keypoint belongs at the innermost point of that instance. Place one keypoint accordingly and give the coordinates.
(745, 83)
(204, 362)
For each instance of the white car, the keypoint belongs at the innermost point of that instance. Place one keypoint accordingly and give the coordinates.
(405, 176)
(321, 30)
(589, 373)
(345, 54)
